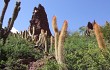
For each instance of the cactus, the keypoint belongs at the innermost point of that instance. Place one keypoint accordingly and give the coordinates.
(59, 43)
(99, 36)
(33, 33)
(21, 33)
(46, 44)
(3, 12)
(55, 28)
(29, 31)
(51, 43)
(25, 34)
(5, 32)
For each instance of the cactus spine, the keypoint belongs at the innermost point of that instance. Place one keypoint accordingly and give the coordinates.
(99, 36)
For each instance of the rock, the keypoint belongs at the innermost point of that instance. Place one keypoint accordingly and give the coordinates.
(39, 21)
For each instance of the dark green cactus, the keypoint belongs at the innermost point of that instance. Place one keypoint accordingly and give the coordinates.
(3, 12)
(5, 32)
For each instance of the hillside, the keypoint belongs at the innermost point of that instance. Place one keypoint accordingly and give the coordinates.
(36, 48)
(81, 53)
(17, 53)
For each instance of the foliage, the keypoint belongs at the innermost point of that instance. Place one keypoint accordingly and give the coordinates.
(106, 31)
(17, 49)
(51, 65)
(82, 53)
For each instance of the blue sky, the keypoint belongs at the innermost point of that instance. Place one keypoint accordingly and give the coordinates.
(76, 12)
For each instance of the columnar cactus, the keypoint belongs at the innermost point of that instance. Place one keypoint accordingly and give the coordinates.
(29, 31)
(51, 43)
(3, 12)
(33, 33)
(25, 34)
(99, 36)
(46, 44)
(21, 33)
(55, 28)
(59, 42)
(5, 32)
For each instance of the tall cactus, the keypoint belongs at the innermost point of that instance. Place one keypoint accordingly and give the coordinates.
(55, 28)
(3, 12)
(99, 36)
(5, 32)
(59, 42)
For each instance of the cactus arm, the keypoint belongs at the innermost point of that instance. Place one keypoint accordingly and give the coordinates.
(55, 29)
(3, 12)
(15, 14)
(61, 42)
(61, 46)
(99, 36)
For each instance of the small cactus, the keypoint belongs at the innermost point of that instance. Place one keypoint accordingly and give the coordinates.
(33, 38)
(46, 44)
(51, 43)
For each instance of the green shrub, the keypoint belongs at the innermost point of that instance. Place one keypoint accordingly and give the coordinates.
(82, 53)
(15, 49)
(51, 65)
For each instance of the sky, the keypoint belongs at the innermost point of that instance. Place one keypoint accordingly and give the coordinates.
(76, 12)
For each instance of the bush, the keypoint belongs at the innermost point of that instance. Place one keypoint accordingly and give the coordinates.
(82, 53)
(51, 65)
(16, 49)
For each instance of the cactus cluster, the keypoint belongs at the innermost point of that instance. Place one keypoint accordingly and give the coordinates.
(4, 32)
(59, 42)
(41, 42)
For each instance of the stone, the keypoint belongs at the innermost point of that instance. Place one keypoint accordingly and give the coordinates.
(39, 21)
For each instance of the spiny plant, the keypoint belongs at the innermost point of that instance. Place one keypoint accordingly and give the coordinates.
(59, 42)
(4, 32)
(55, 28)
(99, 36)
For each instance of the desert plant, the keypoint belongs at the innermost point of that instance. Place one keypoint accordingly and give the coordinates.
(82, 53)
(17, 52)
(99, 36)
(59, 43)
(55, 28)
(106, 31)
(5, 32)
